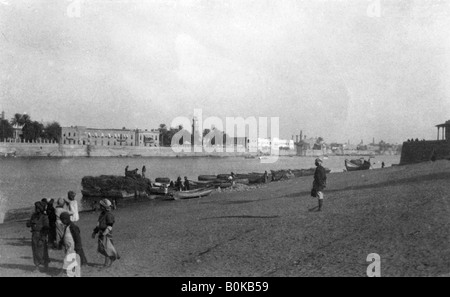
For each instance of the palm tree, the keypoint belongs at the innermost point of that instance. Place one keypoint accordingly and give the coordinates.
(20, 119)
(25, 119)
(16, 119)
(163, 134)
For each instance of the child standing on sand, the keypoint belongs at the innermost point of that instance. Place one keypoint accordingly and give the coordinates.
(73, 206)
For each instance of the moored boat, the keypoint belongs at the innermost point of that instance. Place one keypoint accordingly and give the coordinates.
(355, 165)
(207, 177)
(108, 194)
(192, 194)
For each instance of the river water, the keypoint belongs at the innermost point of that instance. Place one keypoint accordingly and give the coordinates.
(24, 181)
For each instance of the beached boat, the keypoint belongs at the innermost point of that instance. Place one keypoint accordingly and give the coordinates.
(207, 177)
(108, 194)
(355, 165)
(242, 181)
(223, 185)
(160, 190)
(223, 176)
(192, 194)
(282, 175)
(163, 180)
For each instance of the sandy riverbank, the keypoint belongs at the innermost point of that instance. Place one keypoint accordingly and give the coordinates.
(401, 213)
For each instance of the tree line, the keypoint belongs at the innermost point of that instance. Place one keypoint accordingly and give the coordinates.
(31, 130)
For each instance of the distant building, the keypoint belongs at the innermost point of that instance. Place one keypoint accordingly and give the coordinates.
(445, 134)
(147, 138)
(266, 144)
(108, 137)
(415, 151)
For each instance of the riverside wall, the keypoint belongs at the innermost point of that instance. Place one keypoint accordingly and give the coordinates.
(41, 149)
(422, 151)
(20, 149)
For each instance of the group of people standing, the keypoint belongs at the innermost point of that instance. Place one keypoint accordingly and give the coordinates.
(55, 226)
(181, 185)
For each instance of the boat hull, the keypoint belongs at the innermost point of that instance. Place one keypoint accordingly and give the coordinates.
(355, 167)
(192, 194)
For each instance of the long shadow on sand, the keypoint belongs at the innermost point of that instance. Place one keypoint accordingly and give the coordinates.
(51, 271)
(18, 242)
(243, 217)
(230, 202)
(397, 182)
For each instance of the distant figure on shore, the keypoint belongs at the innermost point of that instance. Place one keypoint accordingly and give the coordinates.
(144, 170)
(320, 183)
(72, 238)
(132, 173)
(187, 186)
(73, 206)
(39, 230)
(433, 156)
(104, 231)
(52, 222)
(382, 165)
(266, 177)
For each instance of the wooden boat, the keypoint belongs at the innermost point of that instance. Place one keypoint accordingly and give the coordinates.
(163, 180)
(222, 185)
(160, 191)
(223, 176)
(242, 181)
(355, 165)
(253, 178)
(207, 177)
(192, 194)
(108, 194)
(282, 175)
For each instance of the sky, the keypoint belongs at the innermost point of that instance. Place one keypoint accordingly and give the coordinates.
(345, 70)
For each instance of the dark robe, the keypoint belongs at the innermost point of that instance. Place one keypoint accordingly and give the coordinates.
(39, 230)
(320, 179)
(105, 243)
(52, 222)
(187, 186)
(76, 235)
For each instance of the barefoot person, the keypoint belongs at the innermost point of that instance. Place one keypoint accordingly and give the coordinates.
(72, 238)
(39, 231)
(104, 231)
(320, 182)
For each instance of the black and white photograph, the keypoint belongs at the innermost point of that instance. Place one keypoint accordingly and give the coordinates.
(215, 140)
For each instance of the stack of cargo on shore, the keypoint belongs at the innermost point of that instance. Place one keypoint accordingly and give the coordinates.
(110, 186)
